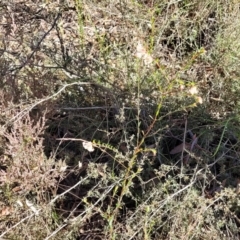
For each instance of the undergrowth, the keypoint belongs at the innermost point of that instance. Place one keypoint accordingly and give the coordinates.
(119, 120)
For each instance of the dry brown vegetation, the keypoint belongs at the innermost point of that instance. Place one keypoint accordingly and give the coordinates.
(119, 119)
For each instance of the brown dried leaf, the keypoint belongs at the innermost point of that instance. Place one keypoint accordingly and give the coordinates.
(179, 148)
(6, 211)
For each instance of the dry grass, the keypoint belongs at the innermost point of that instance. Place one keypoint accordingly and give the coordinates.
(119, 120)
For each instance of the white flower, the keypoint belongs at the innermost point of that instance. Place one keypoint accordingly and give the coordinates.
(32, 207)
(88, 146)
(19, 203)
(200, 100)
(193, 90)
(141, 53)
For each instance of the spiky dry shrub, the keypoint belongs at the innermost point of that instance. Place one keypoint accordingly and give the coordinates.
(28, 178)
